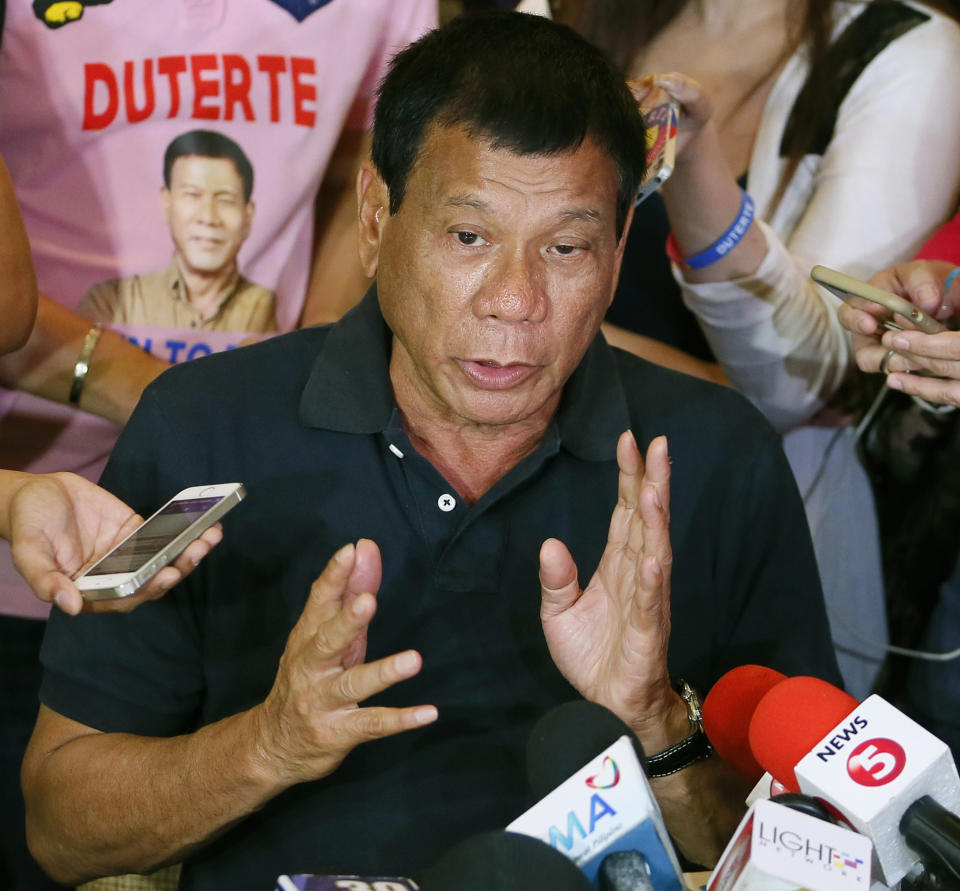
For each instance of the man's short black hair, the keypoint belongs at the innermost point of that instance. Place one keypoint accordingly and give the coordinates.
(209, 144)
(522, 82)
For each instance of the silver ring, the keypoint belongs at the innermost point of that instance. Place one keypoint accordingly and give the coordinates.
(886, 361)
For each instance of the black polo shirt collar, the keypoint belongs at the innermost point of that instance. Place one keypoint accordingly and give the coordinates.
(349, 390)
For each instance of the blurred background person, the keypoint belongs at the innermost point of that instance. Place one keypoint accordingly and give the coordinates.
(90, 97)
(927, 686)
(841, 121)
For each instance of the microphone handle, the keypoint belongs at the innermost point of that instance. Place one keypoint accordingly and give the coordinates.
(934, 833)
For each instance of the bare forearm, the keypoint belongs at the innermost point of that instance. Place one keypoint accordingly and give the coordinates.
(18, 296)
(163, 798)
(702, 805)
(702, 200)
(337, 280)
(662, 354)
(118, 371)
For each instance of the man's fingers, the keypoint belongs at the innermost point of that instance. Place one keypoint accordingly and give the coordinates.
(359, 683)
(559, 588)
(367, 571)
(332, 638)
(327, 591)
(367, 724)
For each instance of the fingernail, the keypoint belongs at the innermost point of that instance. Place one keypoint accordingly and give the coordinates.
(656, 499)
(406, 662)
(357, 607)
(426, 715)
(60, 599)
(894, 383)
(342, 554)
(900, 343)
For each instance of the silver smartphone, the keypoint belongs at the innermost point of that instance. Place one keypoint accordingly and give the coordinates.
(844, 286)
(661, 123)
(159, 540)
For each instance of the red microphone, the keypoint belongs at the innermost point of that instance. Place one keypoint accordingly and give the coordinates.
(790, 719)
(727, 710)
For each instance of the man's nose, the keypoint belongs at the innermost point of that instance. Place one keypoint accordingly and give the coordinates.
(515, 291)
(208, 210)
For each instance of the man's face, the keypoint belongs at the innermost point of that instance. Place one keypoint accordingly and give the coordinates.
(494, 275)
(206, 213)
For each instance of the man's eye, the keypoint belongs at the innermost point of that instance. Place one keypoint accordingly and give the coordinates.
(565, 249)
(468, 238)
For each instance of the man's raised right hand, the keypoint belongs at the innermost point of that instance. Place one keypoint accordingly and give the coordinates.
(312, 717)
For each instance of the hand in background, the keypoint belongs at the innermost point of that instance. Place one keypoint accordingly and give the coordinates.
(60, 523)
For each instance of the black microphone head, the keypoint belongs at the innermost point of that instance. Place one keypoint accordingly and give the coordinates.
(805, 804)
(503, 861)
(624, 871)
(569, 736)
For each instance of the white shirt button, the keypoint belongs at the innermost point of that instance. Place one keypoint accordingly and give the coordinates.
(446, 503)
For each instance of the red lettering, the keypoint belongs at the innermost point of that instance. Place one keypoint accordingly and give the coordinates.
(94, 73)
(172, 67)
(134, 114)
(236, 91)
(204, 88)
(273, 66)
(303, 92)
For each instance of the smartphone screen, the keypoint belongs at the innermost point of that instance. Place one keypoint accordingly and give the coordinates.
(153, 536)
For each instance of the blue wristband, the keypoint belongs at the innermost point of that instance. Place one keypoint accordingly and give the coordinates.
(949, 280)
(726, 242)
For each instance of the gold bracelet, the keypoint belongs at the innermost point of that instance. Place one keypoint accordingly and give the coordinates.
(83, 363)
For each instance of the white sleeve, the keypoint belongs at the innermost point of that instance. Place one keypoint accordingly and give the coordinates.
(887, 179)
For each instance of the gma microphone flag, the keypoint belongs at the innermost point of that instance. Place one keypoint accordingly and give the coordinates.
(606, 806)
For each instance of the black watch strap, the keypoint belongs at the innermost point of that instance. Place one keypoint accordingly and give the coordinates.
(694, 748)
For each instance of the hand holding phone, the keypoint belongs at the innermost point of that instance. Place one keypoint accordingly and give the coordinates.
(845, 287)
(661, 122)
(158, 541)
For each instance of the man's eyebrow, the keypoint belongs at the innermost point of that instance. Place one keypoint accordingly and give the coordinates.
(585, 214)
(575, 214)
(466, 201)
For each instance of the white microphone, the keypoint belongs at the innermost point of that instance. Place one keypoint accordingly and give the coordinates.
(603, 815)
(870, 767)
(777, 848)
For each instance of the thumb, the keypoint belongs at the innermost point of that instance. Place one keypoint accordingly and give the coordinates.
(559, 588)
(43, 574)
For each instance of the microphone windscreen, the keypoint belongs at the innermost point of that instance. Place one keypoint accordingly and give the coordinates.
(727, 710)
(505, 861)
(790, 719)
(569, 736)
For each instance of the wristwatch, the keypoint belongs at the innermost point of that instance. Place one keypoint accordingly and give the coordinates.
(695, 747)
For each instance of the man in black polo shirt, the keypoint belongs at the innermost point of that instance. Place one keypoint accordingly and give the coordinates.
(464, 427)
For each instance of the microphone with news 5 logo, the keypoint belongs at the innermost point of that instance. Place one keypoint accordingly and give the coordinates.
(871, 767)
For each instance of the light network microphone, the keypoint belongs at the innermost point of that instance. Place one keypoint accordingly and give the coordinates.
(871, 764)
(601, 812)
(778, 848)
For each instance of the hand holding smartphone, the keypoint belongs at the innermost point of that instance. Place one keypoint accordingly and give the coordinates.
(158, 541)
(661, 123)
(845, 287)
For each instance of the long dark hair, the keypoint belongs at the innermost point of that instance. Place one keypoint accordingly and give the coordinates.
(624, 28)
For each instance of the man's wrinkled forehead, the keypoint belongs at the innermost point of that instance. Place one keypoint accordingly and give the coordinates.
(456, 168)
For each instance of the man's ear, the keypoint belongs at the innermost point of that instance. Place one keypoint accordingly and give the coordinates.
(373, 202)
(248, 212)
(165, 200)
(621, 247)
